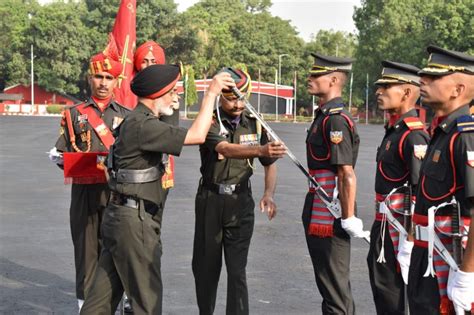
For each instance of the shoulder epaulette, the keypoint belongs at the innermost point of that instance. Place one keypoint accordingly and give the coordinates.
(414, 123)
(122, 106)
(465, 123)
(335, 110)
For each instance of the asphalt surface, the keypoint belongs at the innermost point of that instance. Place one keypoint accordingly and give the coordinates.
(36, 254)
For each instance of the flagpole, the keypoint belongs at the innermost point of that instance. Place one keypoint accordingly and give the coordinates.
(185, 86)
(276, 95)
(294, 97)
(258, 95)
(367, 100)
(350, 93)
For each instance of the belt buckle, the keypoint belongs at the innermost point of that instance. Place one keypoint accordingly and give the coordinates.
(421, 232)
(225, 189)
(131, 203)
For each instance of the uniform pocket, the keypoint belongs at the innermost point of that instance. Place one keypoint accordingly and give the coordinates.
(436, 171)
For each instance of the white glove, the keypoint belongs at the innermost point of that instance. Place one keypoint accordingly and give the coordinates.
(461, 290)
(354, 227)
(55, 156)
(404, 256)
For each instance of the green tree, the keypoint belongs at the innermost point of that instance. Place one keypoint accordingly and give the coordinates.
(15, 52)
(400, 30)
(62, 49)
(190, 86)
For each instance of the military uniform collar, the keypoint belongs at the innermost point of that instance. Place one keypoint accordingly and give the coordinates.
(228, 118)
(142, 108)
(399, 122)
(334, 103)
(90, 102)
(449, 122)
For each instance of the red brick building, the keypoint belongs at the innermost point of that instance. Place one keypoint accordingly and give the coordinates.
(16, 99)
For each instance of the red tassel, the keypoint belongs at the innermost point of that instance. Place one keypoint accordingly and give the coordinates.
(446, 306)
(321, 230)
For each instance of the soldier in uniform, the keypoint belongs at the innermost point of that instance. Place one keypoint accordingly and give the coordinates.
(447, 171)
(87, 128)
(332, 148)
(399, 158)
(224, 202)
(147, 54)
(131, 227)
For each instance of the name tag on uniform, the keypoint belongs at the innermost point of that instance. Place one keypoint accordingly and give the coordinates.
(250, 139)
(436, 155)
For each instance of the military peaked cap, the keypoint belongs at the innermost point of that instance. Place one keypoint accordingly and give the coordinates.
(443, 61)
(398, 73)
(327, 64)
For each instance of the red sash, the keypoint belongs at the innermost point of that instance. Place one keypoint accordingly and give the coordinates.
(100, 128)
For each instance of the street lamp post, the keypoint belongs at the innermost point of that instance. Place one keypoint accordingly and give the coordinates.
(277, 84)
(32, 75)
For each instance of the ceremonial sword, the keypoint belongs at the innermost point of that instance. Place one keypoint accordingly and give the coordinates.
(332, 204)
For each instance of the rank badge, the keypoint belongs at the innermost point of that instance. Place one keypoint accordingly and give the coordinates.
(335, 136)
(419, 151)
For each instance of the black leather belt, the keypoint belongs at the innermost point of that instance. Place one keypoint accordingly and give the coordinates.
(227, 189)
(131, 202)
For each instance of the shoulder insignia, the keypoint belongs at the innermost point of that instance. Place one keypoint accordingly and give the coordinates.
(465, 123)
(419, 151)
(335, 110)
(336, 136)
(470, 158)
(414, 123)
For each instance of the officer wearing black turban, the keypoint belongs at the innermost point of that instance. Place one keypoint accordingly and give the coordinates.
(131, 257)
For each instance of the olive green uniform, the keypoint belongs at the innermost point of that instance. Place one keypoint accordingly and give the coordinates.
(131, 226)
(225, 215)
(87, 200)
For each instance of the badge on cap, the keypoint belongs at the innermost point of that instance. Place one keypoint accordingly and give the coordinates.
(419, 150)
(335, 136)
(470, 158)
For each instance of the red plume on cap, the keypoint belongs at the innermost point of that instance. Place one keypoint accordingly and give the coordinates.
(107, 61)
(144, 49)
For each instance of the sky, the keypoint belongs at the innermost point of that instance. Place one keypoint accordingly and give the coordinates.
(308, 16)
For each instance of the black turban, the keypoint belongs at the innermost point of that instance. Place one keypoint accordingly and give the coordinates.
(155, 81)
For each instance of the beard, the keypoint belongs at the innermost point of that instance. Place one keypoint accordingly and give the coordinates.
(166, 111)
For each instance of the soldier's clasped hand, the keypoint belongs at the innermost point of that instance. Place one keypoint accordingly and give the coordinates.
(273, 149)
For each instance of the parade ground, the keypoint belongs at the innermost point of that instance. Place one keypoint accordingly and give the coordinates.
(36, 253)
